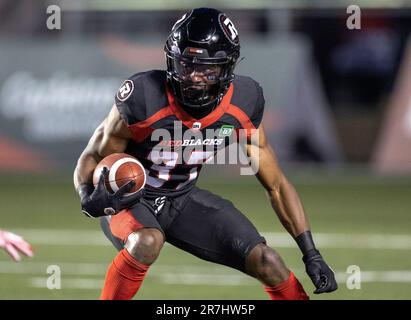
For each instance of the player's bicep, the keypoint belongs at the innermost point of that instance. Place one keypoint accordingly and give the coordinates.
(111, 136)
(115, 135)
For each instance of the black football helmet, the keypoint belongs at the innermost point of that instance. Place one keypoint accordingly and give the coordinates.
(201, 52)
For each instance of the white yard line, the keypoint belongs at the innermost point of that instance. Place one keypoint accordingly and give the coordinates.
(77, 275)
(400, 277)
(276, 239)
(98, 269)
(40, 268)
(74, 283)
(64, 237)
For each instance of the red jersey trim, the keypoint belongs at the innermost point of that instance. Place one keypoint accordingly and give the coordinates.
(209, 119)
(141, 130)
(242, 117)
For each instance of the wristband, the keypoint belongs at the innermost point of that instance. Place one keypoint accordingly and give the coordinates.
(305, 242)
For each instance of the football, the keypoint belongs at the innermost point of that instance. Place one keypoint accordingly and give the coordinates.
(122, 169)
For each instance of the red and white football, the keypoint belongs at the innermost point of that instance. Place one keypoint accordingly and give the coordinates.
(122, 169)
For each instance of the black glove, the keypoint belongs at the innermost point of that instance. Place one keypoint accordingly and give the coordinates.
(100, 202)
(320, 273)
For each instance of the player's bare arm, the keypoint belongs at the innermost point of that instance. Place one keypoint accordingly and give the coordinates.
(111, 136)
(287, 204)
(284, 199)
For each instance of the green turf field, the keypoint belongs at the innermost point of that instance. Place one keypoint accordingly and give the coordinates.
(359, 221)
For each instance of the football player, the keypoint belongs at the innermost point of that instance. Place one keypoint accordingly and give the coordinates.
(197, 92)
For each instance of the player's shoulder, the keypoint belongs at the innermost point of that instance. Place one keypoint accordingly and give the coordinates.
(150, 77)
(245, 82)
(246, 91)
(247, 95)
(141, 95)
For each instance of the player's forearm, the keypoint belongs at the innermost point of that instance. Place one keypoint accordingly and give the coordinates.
(90, 157)
(287, 204)
(85, 168)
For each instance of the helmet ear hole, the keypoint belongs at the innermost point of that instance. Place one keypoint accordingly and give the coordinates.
(206, 37)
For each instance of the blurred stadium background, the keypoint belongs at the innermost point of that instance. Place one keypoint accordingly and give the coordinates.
(338, 113)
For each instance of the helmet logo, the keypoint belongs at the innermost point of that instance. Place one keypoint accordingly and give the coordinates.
(125, 90)
(228, 28)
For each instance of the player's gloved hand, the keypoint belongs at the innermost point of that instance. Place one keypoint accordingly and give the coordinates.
(13, 244)
(100, 202)
(320, 273)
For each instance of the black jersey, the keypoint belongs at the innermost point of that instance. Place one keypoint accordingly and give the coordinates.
(171, 144)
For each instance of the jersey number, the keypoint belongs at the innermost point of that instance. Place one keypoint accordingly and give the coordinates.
(165, 163)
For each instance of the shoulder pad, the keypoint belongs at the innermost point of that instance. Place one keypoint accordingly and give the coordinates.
(141, 95)
(248, 96)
